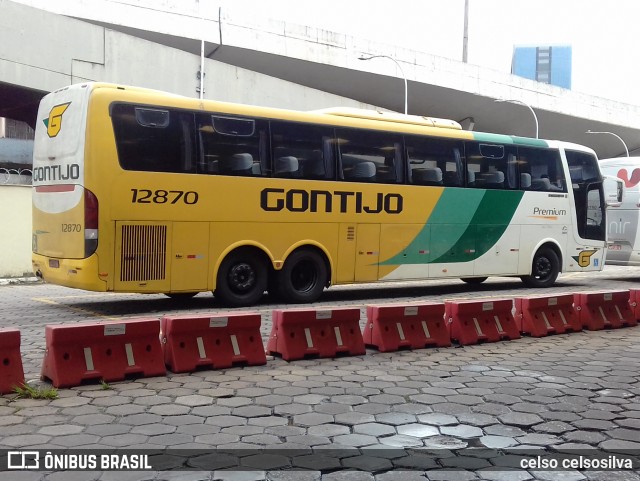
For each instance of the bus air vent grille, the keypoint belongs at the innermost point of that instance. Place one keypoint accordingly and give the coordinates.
(144, 252)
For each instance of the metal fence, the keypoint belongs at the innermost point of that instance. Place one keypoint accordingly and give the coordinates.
(15, 176)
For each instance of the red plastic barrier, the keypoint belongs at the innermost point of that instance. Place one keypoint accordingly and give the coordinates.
(108, 351)
(308, 333)
(484, 320)
(11, 371)
(599, 310)
(542, 315)
(214, 341)
(634, 302)
(396, 326)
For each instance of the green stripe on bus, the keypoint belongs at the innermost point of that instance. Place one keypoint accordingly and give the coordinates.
(509, 139)
(446, 211)
(491, 219)
(463, 225)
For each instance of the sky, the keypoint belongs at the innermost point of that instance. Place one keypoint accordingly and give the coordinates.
(603, 34)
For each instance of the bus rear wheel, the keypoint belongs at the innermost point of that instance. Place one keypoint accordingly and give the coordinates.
(302, 278)
(242, 279)
(544, 269)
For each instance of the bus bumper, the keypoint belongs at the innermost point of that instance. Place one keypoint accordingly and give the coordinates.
(76, 273)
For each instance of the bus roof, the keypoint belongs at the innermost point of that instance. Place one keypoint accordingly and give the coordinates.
(620, 161)
(390, 117)
(343, 116)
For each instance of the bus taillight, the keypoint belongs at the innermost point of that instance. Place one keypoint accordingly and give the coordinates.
(90, 222)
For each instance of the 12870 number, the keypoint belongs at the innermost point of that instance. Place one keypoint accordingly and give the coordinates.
(146, 196)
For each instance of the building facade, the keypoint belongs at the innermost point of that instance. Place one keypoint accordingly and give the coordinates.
(545, 64)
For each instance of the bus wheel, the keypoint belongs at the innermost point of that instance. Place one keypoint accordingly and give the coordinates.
(544, 270)
(473, 280)
(303, 277)
(242, 279)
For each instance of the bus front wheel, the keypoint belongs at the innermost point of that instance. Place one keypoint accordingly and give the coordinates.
(302, 278)
(242, 279)
(544, 269)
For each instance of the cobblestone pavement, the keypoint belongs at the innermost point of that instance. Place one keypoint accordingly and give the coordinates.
(459, 408)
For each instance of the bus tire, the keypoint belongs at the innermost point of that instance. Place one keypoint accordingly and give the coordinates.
(473, 280)
(302, 278)
(242, 279)
(544, 269)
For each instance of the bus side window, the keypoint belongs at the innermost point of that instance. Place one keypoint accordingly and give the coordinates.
(301, 151)
(491, 166)
(153, 139)
(541, 169)
(368, 156)
(434, 161)
(231, 145)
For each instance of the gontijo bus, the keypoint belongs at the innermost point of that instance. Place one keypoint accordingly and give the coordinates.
(141, 191)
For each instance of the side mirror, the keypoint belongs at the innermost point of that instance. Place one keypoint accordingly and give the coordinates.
(613, 190)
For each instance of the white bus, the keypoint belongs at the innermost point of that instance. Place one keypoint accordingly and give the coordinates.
(622, 219)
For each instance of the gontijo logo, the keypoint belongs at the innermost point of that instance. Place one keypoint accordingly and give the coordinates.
(584, 258)
(54, 122)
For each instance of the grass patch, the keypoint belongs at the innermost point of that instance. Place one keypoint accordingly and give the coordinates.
(26, 391)
(105, 385)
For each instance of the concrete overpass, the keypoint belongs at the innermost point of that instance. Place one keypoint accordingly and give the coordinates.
(45, 45)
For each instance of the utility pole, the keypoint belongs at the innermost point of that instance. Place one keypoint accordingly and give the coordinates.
(465, 35)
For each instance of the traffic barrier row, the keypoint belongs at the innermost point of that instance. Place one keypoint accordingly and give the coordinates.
(113, 351)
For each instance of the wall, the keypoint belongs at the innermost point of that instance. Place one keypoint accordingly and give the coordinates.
(15, 233)
(58, 59)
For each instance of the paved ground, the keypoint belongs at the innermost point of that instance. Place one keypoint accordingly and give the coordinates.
(460, 408)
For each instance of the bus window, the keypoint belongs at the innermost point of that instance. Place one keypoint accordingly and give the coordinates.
(595, 223)
(491, 166)
(541, 169)
(434, 161)
(231, 146)
(301, 151)
(588, 195)
(154, 140)
(233, 126)
(368, 156)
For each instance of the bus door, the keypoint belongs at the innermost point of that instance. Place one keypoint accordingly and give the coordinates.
(359, 252)
(452, 250)
(588, 195)
(499, 256)
(190, 259)
(367, 252)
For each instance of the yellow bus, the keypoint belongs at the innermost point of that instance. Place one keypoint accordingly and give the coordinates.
(141, 191)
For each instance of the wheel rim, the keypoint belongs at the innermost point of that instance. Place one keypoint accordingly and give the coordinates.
(304, 276)
(543, 268)
(242, 277)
